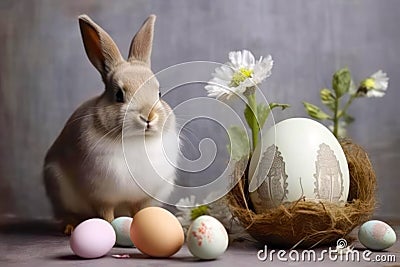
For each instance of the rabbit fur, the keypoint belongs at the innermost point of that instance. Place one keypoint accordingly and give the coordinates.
(115, 139)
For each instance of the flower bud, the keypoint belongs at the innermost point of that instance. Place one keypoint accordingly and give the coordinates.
(315, 112)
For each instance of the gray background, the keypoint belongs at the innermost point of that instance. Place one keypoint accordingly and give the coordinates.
(45, 75)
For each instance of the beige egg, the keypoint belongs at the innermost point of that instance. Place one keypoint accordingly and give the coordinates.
(157, 232)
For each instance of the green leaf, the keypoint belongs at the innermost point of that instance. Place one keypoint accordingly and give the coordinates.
(239, 144)
(341, 82)
(249, 115)
(275, 105)
(278, 105)
(328, 98)
(262, 114)
(198, 211)
(315, 112)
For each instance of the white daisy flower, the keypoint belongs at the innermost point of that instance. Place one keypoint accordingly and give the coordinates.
(374, 86)
(240, 73)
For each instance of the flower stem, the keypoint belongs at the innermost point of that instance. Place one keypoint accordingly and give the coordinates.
(338, 114)
(352, 97)
(253, 122)
(336, 118)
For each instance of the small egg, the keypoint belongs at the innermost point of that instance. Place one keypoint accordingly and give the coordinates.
(122, 226)
(157, 232)
(92, 238)
(207, 238)
(376, 235)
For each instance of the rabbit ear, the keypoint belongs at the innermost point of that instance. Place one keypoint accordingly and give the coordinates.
(143, 41)
(100, 48)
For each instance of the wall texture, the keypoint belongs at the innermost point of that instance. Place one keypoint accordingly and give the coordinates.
(45, 75)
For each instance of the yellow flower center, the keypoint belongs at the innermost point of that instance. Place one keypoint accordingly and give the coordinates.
(240, 76)
(369, 83)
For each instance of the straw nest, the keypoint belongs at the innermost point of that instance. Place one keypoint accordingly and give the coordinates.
(304, 223)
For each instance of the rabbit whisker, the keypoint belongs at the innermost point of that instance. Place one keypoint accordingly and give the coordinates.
(101, 107)
(81, 117)
(113, 130)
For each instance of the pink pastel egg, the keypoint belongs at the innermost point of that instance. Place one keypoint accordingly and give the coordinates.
(92, 238)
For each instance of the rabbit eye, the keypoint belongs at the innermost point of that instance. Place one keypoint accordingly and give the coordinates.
(159, 94)
(119, 96)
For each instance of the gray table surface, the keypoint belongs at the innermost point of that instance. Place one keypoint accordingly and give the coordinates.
(39, 244)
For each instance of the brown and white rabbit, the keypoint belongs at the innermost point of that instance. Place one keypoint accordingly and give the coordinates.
(86, 170)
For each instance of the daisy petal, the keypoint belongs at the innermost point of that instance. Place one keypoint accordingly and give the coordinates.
(262, 69)
(219, 81)
(222, 74)
(228, 72)
(236, 76)
(378, 86)
(381, 80)
(187, 202)
(235, 58)
(248, 83)
(248, 59)
(375, 93)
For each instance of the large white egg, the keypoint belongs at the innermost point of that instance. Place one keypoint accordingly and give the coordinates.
(298, 158)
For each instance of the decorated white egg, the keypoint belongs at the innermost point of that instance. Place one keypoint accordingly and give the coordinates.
(376, 235)
(298, 158)
(92, 238)
(122, 227)
(207, 238)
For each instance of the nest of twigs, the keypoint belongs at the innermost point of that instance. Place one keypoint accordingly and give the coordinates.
(308, 223)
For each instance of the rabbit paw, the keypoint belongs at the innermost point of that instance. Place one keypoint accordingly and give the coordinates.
(107, 213)
(68, 229)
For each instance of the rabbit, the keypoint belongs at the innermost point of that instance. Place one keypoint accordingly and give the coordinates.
(122, 133)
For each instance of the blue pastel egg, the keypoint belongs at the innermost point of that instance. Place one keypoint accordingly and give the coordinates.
(376, 235)
(122, 226)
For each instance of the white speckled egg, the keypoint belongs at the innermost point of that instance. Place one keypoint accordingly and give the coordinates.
(376, 235)
(122, 228)
(92, 238)
(207, 238)
(298, 158)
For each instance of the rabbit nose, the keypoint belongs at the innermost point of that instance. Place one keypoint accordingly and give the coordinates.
(149, 118)
(144, 119)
